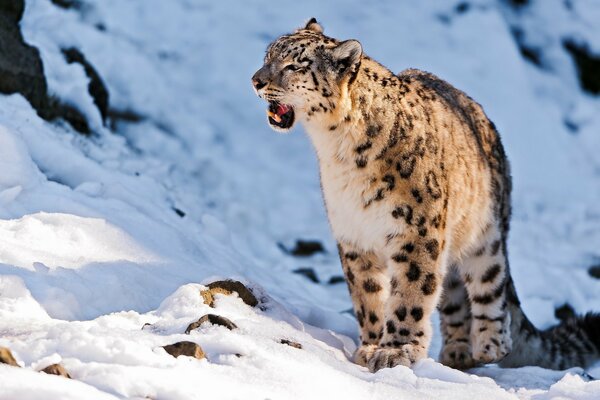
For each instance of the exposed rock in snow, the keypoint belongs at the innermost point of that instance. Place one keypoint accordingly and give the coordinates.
(185, 348)
(211, 319)
(6, 357)
(56, 369)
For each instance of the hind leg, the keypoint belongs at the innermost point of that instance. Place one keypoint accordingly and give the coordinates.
(485, 274)
(455, 317)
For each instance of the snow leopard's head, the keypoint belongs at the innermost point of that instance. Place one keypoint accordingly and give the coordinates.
(304, 74)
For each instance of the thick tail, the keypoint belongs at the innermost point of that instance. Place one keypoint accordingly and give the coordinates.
(575, 342)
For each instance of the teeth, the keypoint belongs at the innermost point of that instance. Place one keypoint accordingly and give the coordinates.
(274, 116)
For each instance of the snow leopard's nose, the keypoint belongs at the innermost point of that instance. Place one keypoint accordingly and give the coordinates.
(259, 80)
(258, 84)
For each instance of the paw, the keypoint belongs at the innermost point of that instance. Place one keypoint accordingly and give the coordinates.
(364, 353)
(457, 355)
(491, 347)
(389, 358)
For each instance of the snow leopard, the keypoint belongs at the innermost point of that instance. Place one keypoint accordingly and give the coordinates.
(417, 188)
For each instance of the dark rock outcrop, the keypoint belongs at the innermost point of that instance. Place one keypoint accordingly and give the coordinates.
(189, 349)
(22, 71)
(594, 271)
(228, 287)
(303, 248)
(213, 320)
(308, 273)
(6, 357)
(588, 65)
(96, 88)
(291, 343)
(56, 369)
(334, 280)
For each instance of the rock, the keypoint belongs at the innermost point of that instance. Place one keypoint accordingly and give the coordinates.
(588, 65)
(6, 357)
(336, 279)
(68, 4)
(116, 116)
(179, 212)
(96, 87)
(207, 297)
(228, 287)
(304, 248)
(213, 320)
(291, 343)
(184, 348)
(56, 369)
(594, 271)
(308, 273)
(22, 70)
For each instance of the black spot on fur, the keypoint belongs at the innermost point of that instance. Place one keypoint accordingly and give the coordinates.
(405, 211)
(491, 273)
(360, 317)
(314, 78)
(406, 166)
(451, 309)
(417, 313)
(489, 297)
(433, 248)
(417, 195)
(494, 248)
(400, 313)
(408, 247)
(361, 162)
(403, 332)
(390, 180)
(433, 187)
(371, 286)
(350, 276)
(414, 272)
(372, 335)
(373, 130)
(373, 317)
(391, 328)
(479, 252)
(363, 147)
(400, 257)
(429, 284)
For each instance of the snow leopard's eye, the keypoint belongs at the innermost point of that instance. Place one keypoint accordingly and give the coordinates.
(292, 68)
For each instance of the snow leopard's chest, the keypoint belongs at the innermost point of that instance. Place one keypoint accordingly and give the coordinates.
(353, 218)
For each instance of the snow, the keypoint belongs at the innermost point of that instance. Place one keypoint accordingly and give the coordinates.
(92, 249)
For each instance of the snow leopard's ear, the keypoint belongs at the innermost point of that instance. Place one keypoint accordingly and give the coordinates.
(346, 57)
(313, 25)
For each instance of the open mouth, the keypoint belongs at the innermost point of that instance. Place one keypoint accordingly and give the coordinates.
(280, 115)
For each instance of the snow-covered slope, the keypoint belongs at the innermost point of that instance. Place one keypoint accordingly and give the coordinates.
(100, 235)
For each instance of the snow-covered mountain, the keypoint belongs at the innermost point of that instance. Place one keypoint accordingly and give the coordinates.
(179, 182)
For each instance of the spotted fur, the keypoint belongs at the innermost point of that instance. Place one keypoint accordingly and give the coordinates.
(417, 189)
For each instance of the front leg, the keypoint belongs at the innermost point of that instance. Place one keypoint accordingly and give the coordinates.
(415, 277)
(369, 286)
